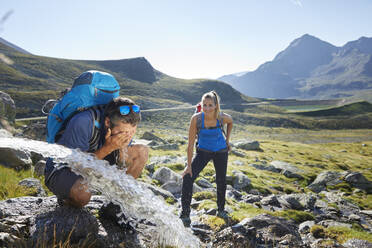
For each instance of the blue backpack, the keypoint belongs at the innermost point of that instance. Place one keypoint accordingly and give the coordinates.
(90, 89)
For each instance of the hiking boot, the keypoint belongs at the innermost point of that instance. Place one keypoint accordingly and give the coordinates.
(185, 219)
(223, 214)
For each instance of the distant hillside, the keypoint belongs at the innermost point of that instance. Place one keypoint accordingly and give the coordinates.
(345, 110)
(310, 68)
(7, 43)
(32, 79)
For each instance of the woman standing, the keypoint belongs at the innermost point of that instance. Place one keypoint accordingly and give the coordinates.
(207, 128)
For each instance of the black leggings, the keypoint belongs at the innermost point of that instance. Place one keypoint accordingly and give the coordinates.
(198, 163)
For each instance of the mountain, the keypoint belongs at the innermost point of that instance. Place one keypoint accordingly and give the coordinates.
(30, 80)
(7, 43)
(312, 68)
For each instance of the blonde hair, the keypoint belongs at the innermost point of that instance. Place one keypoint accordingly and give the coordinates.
(216, 99)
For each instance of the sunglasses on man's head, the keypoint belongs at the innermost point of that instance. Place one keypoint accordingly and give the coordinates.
(125, 109)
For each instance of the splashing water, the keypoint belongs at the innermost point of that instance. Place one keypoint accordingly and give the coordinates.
(134, 198)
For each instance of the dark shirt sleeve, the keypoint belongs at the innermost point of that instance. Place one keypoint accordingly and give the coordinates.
(78, 132)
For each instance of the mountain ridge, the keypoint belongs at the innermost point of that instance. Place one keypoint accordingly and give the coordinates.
(310, 68)
(31, 79)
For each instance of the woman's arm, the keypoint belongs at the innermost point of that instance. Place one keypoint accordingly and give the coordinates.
(191, 144)
(227, 119)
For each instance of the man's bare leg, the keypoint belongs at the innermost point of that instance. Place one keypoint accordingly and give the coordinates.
(79, 195)
(136, 159)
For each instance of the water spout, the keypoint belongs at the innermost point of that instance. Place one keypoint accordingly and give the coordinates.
(136, 200)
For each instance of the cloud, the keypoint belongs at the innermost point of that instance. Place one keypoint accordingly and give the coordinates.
(297, 2)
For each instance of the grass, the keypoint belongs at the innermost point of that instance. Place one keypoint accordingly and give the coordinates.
(9, 187)
(341, 234)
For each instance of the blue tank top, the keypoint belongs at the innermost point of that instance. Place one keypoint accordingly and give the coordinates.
(212, 138)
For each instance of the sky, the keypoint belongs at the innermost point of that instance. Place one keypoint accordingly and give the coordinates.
(185, 39)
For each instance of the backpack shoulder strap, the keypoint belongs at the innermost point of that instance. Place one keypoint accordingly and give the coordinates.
(94, 140)
(198, 123)
(220, 120)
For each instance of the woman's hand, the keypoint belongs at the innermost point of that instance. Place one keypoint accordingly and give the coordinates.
(229, 147)
(187, 171)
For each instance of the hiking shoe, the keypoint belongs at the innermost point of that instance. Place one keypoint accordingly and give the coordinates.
(222, 214)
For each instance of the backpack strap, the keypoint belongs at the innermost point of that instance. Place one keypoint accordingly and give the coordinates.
(96, 112)
(198, 123)
(220, 120)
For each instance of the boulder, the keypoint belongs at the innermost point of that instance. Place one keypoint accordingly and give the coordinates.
(7, 107)
(35, 184)
(247, 145)
(17, 159)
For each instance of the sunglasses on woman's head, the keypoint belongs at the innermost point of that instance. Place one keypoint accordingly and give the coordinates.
(125, 109)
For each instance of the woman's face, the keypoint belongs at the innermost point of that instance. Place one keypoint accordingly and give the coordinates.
(208, 105)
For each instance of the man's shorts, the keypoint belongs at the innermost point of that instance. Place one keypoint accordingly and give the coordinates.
(61, 182)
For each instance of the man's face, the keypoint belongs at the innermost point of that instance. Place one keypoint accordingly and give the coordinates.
(126, 128)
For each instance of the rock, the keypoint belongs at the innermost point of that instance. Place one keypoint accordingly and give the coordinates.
(5, 134)
(173, 187)
(33, 183)
(305, 227)
(35, 131)
(151, 136)
(328, 223)
(39, 168)
(241, 181)
(357, 180)
(284, 166)
(16, 159)
(166, 147)
(204, 183)
(238, 162)
(168, 160)
(7, 107)
(164, 175)
(273, 230)
(239, 237)
(247, 145)
(159, 191)
(324, 179)
(238, 153)
(265, 167)
(289, 202)
(357, 243)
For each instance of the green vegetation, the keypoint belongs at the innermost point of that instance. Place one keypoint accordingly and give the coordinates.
(296, 215)
(341, 234)
(9, 179)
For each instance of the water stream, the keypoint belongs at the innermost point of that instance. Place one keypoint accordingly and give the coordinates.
(135, 199)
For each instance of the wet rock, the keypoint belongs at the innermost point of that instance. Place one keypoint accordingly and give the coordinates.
(16, 159)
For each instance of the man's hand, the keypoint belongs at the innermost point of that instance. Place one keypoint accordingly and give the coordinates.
(117, 141)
